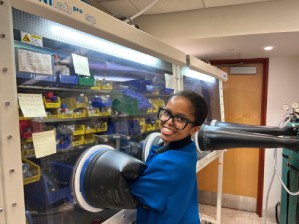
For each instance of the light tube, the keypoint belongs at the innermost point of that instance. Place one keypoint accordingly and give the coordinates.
(103, 46)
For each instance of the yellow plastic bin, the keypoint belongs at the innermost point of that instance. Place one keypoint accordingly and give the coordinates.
(53, 113)
(93, 112)
(77, 140)
(52, 104)
(81, 112)
(33, 168)
(102, 127)
(79, 130)
(88, 138)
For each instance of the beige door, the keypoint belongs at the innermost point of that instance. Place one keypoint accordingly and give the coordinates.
(242, 104)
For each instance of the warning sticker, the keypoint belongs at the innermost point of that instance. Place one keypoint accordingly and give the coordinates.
(32, 39)
(26, 39)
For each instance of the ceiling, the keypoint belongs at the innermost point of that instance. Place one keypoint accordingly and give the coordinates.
(128, 8)
(207, 48)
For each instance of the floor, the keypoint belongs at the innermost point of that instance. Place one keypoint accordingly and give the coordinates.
(233, 216)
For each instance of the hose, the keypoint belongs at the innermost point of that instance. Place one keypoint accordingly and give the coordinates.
(141, 12)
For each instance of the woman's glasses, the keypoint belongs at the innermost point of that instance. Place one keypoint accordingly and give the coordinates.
(178, 121)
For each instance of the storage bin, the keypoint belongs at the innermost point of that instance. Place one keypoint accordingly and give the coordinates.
(105, 111)
(34, 170)
(53, 113)
(62, 171)
(126, 104)
(45, 192)
(26, 129)
(63, 141)
(24, 78)
(77, 140)
(102, 85)
(141, 86)
(51, 105)
(151, 124)
(81, 112)
(121, 127)
(93, 112)
(89, 129)
(134, 127)
(75, 103)
(68, 115)
(27, 148)
(101, 101)
(86, 80)
(106, 85)
(43, 80)
(142, 124)
(89, 138)
(79, 130)
(166, 91)
(67, 80)
(102, 127)
(143, 103)
(150, 127)
(35, 79)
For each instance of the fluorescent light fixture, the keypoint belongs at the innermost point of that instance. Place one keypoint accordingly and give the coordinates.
(94, 43)
(202, 67)
(197, 75)
(268, 48)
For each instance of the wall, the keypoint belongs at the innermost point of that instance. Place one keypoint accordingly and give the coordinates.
(282, 88)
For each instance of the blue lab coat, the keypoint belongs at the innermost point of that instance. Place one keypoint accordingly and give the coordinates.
(168, 188)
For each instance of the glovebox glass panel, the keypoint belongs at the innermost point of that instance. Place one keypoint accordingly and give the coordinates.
(76, 90)
(209, 89)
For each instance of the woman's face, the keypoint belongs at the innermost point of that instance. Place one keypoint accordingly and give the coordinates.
(178, 105)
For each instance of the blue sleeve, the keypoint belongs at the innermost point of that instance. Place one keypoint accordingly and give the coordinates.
(151, 188)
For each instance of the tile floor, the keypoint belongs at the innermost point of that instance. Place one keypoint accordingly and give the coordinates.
(233, 216)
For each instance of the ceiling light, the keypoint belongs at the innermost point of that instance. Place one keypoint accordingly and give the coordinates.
(268, 48)
(197, 75)
(103, 46)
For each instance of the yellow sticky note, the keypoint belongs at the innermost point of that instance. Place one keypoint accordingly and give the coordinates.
(44, 143)
(32, 105)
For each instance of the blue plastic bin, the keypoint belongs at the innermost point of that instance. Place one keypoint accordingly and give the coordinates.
(67, 80)
(134, 127)
(62, 171)
(98, 102)
(40, 196)
(24, 78)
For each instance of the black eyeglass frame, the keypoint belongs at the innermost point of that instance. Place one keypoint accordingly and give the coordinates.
(171, 116)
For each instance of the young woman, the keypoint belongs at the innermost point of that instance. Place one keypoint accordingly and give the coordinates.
(167, 189)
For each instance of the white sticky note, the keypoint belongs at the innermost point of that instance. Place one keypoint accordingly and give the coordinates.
(32, 105)
(81, 65)
(44, 143)
(169, 83)
(33, 62)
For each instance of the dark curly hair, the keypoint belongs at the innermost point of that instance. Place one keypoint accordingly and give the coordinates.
(199, 104)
